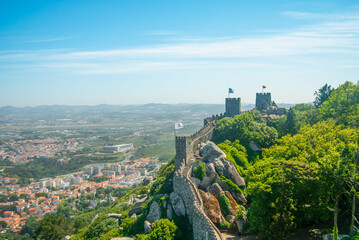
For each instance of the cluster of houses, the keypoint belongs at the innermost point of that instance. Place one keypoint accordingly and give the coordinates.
(43, 197)
(25, 150)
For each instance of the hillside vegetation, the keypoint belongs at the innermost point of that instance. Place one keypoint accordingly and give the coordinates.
(303, 174)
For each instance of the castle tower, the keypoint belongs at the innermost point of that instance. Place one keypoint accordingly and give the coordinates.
(263, 101)
(233, 106)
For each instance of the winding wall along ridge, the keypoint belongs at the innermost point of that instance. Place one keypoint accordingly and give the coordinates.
(203, 227)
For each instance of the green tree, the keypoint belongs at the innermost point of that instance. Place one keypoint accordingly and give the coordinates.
(30, 227)
(3, 224)
(318, 157)
(322, 95)
(101, 227)
(200, 171)
(342, 105)
(54, 227)
(246, 127)
(163, 229)
(128, 226)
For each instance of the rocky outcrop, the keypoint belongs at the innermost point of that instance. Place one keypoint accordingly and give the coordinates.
(232, 202)
(139, 200)
(240, 198)
(147, 180)
(211, 207)
(240, 224)
(169, 212)
(135, 210)
(230, 171)
(210, 152)
(154, 213)
(164, 203)
(177, 204)
(230, 218)
(215, 189)
(147, 227)
(196, 181)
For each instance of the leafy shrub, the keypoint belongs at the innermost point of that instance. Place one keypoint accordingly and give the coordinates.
(127, 226)
(132, 226)
(225, 204)
(240, 212)
(55, 225)
(163, 184)
(102, 227)
(225, 224)
(142, 237)
(184, 228)
(163, 229)
(232, 186)
(111, 234)
(200, 171)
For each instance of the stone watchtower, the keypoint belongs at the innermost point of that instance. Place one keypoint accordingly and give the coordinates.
(233, 106)
(263, 101)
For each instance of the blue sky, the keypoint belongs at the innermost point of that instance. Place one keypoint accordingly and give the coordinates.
(135, 52)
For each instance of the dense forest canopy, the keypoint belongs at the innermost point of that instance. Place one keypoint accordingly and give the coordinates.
(309, 174)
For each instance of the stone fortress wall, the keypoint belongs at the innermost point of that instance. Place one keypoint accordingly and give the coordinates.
(187, 148)
(265, 104)
(263, 101)
(203, 228)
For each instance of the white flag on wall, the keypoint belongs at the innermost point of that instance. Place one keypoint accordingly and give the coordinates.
(178, 125)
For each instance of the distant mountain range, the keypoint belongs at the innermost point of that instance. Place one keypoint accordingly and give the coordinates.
(113, 108)
(111, 113)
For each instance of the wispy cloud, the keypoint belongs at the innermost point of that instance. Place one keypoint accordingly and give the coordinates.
(334, 35)
(325, 16)
(50, 39)
(304, 15)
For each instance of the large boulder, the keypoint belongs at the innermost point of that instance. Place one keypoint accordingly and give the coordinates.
(147, 180)
(240, 198)
(196, 181)
(215, 189)
(154, 213)
(207, 180)
(211, 207)
(139, 200)
(135, 210)
(210, 169)
(230, 218)
(240, 224)
(177, 204)
(230, 172)
(232, 202)
(147, 227)
(169, 212)
(210, 152)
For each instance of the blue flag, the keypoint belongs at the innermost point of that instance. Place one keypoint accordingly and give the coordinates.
(230, 90)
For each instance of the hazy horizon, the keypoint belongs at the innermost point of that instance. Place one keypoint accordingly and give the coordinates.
(124, 105)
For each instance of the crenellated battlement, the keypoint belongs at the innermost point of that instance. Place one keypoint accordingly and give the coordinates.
(263, 101)
(233, 106)
(187, 148)
(264, 94)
